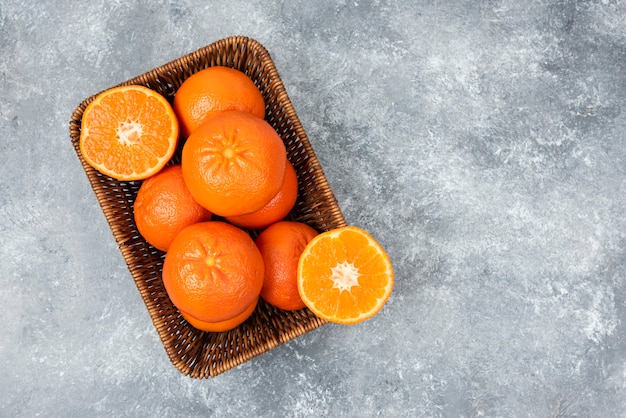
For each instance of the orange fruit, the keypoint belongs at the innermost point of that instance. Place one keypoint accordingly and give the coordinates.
(213, 90)
(281, 245)
(234, 163)
(213, 271)
(164, 207)
(277, 208)
(128, 133)
(222, 325)
(344, 275)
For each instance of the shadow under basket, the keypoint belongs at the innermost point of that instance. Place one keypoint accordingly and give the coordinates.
(196, 353)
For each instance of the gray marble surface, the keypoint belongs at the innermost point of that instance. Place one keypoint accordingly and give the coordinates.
(482, 143)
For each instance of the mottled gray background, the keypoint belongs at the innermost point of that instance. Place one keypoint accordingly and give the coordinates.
(482, 143)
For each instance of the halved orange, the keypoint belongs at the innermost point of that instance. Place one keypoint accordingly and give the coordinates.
(345, 275)
(128, 132)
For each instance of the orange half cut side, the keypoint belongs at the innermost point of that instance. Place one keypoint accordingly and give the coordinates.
(345, 275)
(128, 132)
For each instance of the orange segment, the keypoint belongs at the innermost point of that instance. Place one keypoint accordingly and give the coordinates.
(128, 133)
(345, 276)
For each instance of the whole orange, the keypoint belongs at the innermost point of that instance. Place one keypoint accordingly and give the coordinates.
(281, 245)
(213, 271)
(213, 90)
(222, 325)
(277, 209)
(164, 206)
(234, 163)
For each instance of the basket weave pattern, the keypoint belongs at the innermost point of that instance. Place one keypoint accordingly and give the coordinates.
(204, 354)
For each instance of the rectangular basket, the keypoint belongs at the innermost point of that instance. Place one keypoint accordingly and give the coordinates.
(204, 354)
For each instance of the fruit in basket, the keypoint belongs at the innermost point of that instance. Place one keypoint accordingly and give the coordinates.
(344, 275)
(234, 163)
(277, 209)
(214, 90)
(221, 325)
(281, 245)
(213, 272)
(164, 207)
(128, 133)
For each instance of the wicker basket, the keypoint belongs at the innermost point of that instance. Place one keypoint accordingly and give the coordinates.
(204, 354)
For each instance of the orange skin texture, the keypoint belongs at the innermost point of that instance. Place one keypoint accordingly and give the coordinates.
(164, 207)
(234, 163)
(223, 325)
(214, 90)
(213, 271)
(277, 209)
(281, 245)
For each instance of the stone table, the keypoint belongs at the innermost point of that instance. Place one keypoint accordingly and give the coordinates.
(482, 143)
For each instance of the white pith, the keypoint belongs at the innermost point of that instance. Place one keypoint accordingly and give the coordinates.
(129, 132)
(345, 276)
